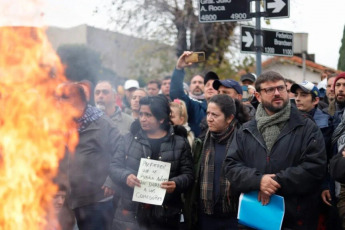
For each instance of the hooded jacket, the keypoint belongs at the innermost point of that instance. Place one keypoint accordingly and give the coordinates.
(297, 158)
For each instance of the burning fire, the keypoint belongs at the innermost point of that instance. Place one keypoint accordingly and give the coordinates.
(34, 130)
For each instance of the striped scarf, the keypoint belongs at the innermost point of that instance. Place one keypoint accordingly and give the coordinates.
(207, 171)
(91, 114)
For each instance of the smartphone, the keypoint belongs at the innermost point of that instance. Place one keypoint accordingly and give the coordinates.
(245, 94)
(196, 57)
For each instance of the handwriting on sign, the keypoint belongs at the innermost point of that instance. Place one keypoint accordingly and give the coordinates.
(151, 174)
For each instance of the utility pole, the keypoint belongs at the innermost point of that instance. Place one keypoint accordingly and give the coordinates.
(258, 37)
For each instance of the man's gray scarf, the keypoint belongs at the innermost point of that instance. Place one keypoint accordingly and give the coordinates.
(338, 136)
(270, 126)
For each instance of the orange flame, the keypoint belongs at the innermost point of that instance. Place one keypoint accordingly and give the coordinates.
(34, 131)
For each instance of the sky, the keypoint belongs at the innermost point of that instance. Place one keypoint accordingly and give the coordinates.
(324, 21)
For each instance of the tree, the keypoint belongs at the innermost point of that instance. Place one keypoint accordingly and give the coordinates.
(152, 61)
(175, 22)
(341, 61)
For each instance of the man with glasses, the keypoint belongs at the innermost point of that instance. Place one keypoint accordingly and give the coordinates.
(279, 152)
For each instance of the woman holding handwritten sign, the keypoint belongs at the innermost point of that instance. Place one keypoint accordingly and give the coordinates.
(152, 137)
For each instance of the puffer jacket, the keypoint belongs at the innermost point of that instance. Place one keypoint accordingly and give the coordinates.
(297, 158)
(175, 150)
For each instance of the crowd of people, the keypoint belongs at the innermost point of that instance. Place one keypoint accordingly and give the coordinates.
(222, 138)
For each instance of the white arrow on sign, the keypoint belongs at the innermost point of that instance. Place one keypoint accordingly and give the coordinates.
(277, 5)
(248, 39)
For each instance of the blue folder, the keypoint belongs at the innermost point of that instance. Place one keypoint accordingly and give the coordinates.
(253, 214)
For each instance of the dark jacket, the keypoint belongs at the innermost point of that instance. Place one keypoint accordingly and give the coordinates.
(337, 117)
(337, 167)
(89, 164)
(298, 158)
(175, 150)
(329, 183)
(324, 121)
(192, 206)
(196, 109)
(250, 110)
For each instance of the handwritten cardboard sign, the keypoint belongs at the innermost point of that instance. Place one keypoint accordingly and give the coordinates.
(151, 174)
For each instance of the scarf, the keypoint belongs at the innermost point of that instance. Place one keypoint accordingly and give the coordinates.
(337, 137)
(270, 126)
(91, 114)
(197, 97)
(207, 171)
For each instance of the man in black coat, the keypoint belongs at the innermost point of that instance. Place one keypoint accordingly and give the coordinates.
(88, 167)
(279, 152)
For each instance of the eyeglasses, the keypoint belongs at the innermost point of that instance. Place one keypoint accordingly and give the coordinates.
(271, 90)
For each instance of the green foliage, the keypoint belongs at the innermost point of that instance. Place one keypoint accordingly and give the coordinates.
(247, 64)
(83, 63)
(153, 61)
(172, 22)
(224, 69)
(341, 61)
(175, 23)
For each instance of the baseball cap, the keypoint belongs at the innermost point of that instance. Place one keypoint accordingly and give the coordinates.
(210, 76)
(249, 76)
(307, 87)
(228, 83)
(131, 84)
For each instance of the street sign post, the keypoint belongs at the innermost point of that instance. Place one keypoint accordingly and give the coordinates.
(270, 42)
(275, 42)
(277, 8)
(223, 10)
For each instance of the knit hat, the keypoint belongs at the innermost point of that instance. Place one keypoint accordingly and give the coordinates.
(228, 83)
(341, 75)
(307, 87)
(210, 76)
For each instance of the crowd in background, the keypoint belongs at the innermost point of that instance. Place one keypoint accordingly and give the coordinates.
(222, 137)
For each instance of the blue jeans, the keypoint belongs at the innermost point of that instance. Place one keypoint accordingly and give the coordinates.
(95, 216)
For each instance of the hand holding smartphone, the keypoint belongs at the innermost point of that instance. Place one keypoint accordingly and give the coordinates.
(195, 57)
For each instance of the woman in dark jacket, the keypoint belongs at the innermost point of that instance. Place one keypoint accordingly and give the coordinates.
(211, 197)
(154, 138)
